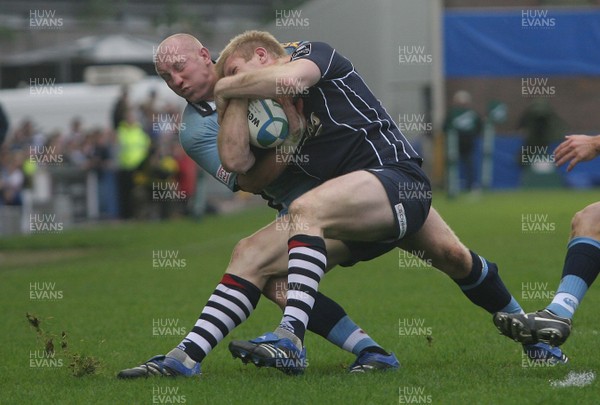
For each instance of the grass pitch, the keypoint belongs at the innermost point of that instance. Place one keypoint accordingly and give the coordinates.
(118, 306)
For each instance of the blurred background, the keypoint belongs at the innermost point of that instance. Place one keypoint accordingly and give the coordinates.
(484, 91)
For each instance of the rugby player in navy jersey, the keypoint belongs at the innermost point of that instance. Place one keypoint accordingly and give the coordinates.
(362, 159)
(187, 68)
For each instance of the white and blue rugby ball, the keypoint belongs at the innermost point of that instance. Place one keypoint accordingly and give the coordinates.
(267, 122)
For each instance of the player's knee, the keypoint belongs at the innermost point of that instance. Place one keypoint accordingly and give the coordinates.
(245, 258)
(305, 208)
(586, 222)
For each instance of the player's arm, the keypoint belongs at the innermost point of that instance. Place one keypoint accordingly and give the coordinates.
(269, 82)
(577, 148)
(233, 139)
(235, 153)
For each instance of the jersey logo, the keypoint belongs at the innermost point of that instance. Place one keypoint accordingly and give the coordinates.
(301, 51)
(223, 175)
(314, 127)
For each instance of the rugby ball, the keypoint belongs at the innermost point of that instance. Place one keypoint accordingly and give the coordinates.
(267, 122)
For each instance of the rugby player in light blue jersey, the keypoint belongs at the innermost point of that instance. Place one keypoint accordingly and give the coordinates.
(187, 68)
(552, 324)
(366, 165)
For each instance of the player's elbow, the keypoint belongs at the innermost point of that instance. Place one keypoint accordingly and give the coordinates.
(237, 164)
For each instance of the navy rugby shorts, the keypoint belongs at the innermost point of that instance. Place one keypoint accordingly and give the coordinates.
(409, 192)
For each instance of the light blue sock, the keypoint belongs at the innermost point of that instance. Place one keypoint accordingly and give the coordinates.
(513, 307)
(582, 266)
(347, 335)
(568, 296)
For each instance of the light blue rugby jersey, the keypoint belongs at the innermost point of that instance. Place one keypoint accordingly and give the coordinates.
(198, 137)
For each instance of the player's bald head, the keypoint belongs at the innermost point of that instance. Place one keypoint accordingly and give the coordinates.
(186, 67)
(181, 41)
(176, 46)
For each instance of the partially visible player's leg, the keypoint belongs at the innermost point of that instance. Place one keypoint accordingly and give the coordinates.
(477, 278)
(437, 243)
(328, 319)
(315, 215)
(252, 260)
(356, 206)
(582, 262)
(256, 258)
(582, 265)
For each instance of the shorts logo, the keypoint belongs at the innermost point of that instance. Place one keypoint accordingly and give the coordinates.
(223, 175)
(401, 215)
(302, 51)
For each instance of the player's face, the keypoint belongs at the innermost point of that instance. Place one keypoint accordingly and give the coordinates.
(190, 75)
(236, 64)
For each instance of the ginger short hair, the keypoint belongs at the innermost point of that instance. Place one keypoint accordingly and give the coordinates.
(243, 45)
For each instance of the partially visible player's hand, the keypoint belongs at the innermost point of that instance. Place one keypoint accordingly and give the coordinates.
(577, 148)
(296, 121)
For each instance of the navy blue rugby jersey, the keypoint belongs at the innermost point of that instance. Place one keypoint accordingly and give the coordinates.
(347, 127)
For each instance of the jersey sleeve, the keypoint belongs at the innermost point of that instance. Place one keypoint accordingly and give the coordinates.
(198, 137)
(330, 62)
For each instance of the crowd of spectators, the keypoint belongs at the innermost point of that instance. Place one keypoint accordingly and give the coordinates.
(142, 171)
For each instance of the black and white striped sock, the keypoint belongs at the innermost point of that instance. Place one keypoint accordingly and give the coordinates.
(231, 303)
(307, 263)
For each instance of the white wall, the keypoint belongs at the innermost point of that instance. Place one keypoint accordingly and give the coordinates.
(370, 33)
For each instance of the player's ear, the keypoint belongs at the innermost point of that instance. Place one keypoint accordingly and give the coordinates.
(205, 54)
(262, 54)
